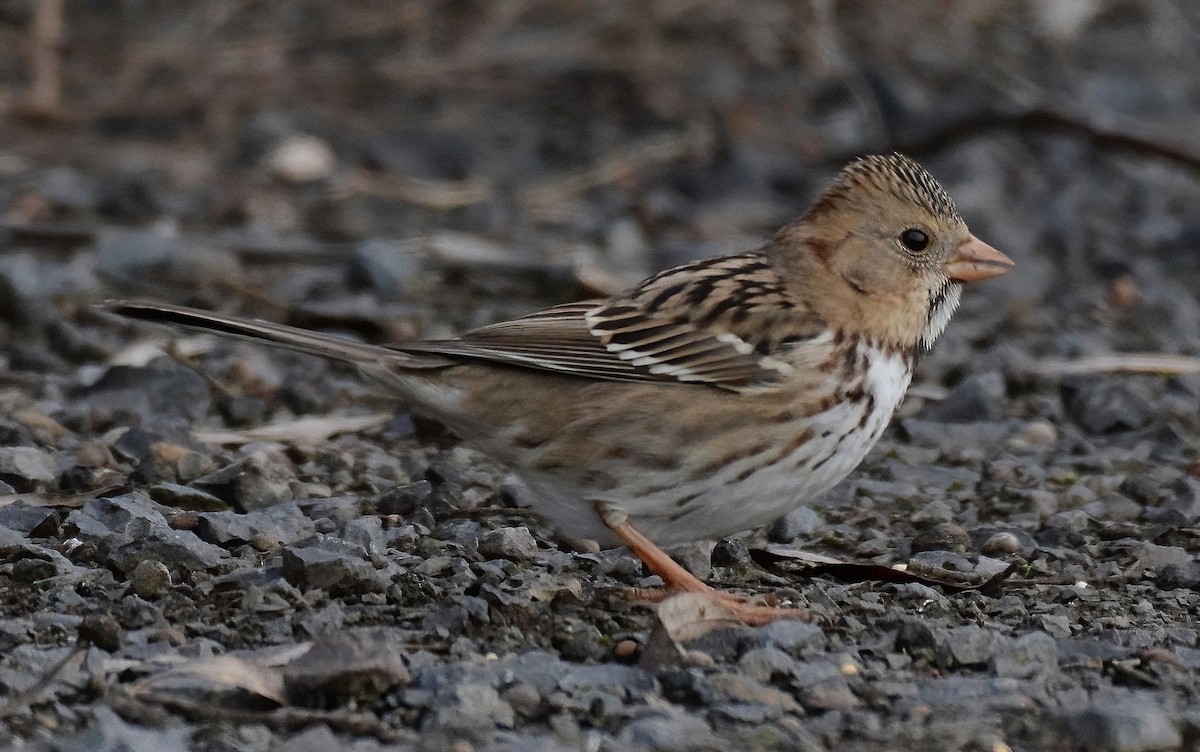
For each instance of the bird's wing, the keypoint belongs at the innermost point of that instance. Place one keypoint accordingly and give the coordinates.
(725, 322)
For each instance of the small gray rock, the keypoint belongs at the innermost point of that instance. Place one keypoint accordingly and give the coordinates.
(742, 690)
(345, 665)
(915, 636)
(178, 550)
(103, 518)
(584, 642)
(1100, 404)
(623, 681)
(954, 437)
(1027, 656)
(25, 467)
(766, 664)
(944, 536)
(791, 635)
(163, 394)
(150, 578)
(30, 519)
(936, 512)
(938, 559)
(281, 524)
(1036, 500)
(1072, 520)
(1173, 576)
(1154, 557)
(1123, 725)
(326, 563)
(668, 731)
(1000, 543)
(390, 267)
(366, 532)
(67, 188)
(338, 509)
(186, 497)
(108, 732)
(406, 499)
(128, 254)
(315, 738)
(512, 543)
(696, 557)
(977, 397)
(831, 693)
(968, 646)
(523, 698)
(801, 522)
(27, 571)
(989, 567)
(258, 481)
(10, 538)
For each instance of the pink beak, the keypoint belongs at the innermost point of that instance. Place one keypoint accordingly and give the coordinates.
(975, 260)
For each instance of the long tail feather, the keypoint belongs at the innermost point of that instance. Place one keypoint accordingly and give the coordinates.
(280, 335)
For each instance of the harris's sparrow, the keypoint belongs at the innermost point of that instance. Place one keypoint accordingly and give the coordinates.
(713, 397)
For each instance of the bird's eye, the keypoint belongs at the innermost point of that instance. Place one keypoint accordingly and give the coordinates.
(914, 240)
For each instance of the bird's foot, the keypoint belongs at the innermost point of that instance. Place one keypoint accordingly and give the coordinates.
(746, 609)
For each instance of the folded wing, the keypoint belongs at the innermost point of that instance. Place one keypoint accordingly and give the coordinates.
(725, 322)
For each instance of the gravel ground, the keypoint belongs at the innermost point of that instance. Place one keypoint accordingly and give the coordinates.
(208, 546)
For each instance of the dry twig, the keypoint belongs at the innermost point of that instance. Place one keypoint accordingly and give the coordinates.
(618, 165)
(1157, 363)
(45, 91)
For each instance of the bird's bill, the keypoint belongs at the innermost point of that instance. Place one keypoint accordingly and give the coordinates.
(975, 260)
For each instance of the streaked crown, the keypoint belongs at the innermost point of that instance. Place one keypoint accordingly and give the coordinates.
(896, 175)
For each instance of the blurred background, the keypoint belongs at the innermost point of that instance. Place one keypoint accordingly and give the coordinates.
(404, 167)
(391, 169)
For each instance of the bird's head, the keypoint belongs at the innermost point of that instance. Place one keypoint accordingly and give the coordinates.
(884, 252)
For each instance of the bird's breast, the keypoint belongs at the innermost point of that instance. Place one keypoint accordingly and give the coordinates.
(814, 440)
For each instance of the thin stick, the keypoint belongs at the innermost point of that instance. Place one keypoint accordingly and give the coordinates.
(1119, 363)
(45, 91)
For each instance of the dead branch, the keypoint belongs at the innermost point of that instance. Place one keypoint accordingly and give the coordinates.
(45, 90)
(1155, 363)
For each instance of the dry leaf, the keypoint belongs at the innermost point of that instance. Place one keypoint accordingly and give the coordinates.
(689, 616)
(303, 431)
(41, 424)
(223, 671)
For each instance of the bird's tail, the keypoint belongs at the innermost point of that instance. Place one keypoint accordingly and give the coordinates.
(280, 335)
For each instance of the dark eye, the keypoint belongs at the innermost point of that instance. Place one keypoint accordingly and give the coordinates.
(914, 240)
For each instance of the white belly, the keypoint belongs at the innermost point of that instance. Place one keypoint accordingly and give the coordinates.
(748, 492)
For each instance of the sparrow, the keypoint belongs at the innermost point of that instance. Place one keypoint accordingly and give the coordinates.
(713, 397)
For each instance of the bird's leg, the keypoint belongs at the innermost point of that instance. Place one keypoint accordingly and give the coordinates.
(677, 579)
(673, 575)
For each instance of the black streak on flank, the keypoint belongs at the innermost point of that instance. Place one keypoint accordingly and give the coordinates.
(855, 393)
(794, 445)
(683, 501)
(851, 361)
(869, 408)
(743, 475)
